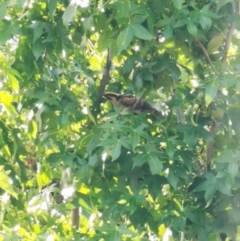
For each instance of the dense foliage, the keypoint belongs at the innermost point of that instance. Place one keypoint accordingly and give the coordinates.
(64, 149)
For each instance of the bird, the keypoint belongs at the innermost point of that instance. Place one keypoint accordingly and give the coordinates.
(129, 101)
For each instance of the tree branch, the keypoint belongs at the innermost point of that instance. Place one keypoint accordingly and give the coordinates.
(206, 56)
(139, 99)
(228, 41)
(75, 218)
(229, 36)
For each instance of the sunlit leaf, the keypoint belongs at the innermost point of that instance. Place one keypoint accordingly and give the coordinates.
(32, 128)
(13, 81)
(5, 183)
(69, 14)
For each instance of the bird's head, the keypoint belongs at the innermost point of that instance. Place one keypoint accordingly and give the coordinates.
(113, 98)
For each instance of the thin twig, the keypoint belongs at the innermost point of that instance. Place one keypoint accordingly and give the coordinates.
(105, 76)
(206, 56)
(138, 100)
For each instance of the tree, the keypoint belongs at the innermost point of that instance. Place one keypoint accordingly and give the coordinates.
(75, 168)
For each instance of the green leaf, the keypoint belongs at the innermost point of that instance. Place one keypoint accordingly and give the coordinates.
(85, 205)
(191, 214)
(192, 28)
(211, 92)
(115, 236)
(177, 4)
(88, 23)
(13, 81)
(69, 14)
(155, 164)
(138, 81)
(37, 30)
(54, 157)
(52, 6)
(38, 48)
(170, 149)
(124, 38)
(221, 3)
(122, 9)
(10, 110)
(184, 127)
(125, 144)
(234, 116)
(204, 133)
(202, 186)
(179, 223)
(209, 186)
(222, 187)
(175, 72)
(210, 192)
(225, 156)
(139, 160)
(233, 168)
(202, 234)
(93, 160)
(205, 22)
(134, 138)
(107, 142)
(63, 118)
(168, 31)
(3, 8)
(191, 137)
(5, 30)
(141, 32)
(172, 178)
(122, 229)
(138, 19)
(116, 151)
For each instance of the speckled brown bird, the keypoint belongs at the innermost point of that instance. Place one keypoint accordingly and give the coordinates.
(130, 102)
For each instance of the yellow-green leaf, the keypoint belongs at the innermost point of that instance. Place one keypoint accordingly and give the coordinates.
(32, 129)
(215, 43)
